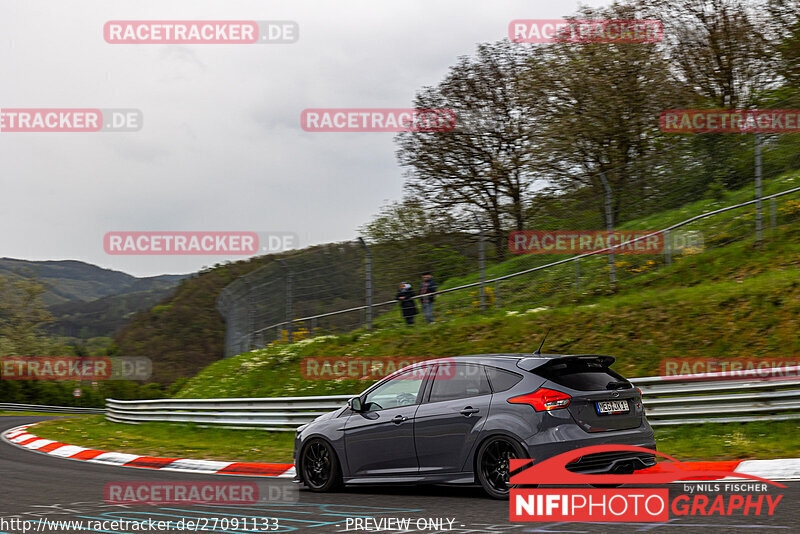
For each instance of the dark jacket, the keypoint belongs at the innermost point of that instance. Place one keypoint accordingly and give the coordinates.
(408, 305)
(428, 286)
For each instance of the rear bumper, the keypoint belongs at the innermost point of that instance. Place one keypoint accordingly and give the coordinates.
(568, 437)
(612, 462)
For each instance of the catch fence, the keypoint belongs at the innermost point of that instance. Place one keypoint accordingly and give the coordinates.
(351, 285)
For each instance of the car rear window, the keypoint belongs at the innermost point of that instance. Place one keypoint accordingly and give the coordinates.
(583, 375)
(502, 380)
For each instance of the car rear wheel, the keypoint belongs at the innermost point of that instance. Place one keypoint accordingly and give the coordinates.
(492, 465)
(320, 466)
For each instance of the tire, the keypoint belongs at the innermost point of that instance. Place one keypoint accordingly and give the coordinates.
(320, 466)
(491, 465)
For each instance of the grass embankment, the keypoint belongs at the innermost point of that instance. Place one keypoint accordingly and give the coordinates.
(735, 299)
(170, 440)
(755, 316)
(779, 439)
(727, 251)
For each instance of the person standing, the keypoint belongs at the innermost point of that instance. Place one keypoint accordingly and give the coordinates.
(428, 287)
(407, 305)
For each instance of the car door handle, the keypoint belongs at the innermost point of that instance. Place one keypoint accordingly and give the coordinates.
(469, 410)
(397, 419)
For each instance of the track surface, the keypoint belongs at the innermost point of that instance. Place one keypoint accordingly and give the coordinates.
(35, 486)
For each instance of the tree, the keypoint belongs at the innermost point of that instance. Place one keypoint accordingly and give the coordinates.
(22, 313)
(599, 105)
(407, 239)
(721, 50)
(483, 165)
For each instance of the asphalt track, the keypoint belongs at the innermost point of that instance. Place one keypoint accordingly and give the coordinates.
(36, 487)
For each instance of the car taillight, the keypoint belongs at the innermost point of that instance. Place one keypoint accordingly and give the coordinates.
(640, 392)
(543, 399)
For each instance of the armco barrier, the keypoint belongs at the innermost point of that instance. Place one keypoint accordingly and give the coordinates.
(763, 395)
(10, 407)
(280, 413)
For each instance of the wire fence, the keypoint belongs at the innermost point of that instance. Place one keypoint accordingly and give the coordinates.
(350, 285)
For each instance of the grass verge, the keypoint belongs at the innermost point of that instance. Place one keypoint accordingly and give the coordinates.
(170, 440)
(731, 441)
(779, 439)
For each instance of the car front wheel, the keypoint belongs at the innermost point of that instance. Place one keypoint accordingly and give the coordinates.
(320, 466)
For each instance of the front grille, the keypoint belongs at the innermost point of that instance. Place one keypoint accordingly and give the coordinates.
(602, 461)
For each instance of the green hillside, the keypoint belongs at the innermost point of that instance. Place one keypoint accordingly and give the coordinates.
(184, 333)
(735, 299)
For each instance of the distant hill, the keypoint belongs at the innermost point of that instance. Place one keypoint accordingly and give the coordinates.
(86, 300)
(185, 332)
(71, 280)
(102, 317)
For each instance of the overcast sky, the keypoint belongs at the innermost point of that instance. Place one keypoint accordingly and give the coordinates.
(221, 147)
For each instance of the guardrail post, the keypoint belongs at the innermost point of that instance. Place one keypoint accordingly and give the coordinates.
(497, 294)
(667, 247)
(773, 213)
(577, 274)
(251, 320)
(612, 268)
(367, 284)
(289, 281)
(758, 188)
(481, 264)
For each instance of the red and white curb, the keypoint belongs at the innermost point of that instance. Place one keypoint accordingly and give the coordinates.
(20, 437)
(781, 469)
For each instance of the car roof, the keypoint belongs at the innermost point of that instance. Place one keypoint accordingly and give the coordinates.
(512, 358)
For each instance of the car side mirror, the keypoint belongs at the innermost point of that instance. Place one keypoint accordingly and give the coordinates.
(355, 404)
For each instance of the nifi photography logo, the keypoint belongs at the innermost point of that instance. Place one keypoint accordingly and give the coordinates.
(625, 504)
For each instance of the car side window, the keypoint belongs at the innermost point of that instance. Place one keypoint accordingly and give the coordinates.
(501, 379)
(459, 381)
(403, 390)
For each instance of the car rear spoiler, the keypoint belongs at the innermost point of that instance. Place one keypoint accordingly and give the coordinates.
(538, 362)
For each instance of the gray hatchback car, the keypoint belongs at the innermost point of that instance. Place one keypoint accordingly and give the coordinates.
(459, 421)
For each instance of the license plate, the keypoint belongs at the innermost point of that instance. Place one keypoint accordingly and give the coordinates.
(616, 406)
